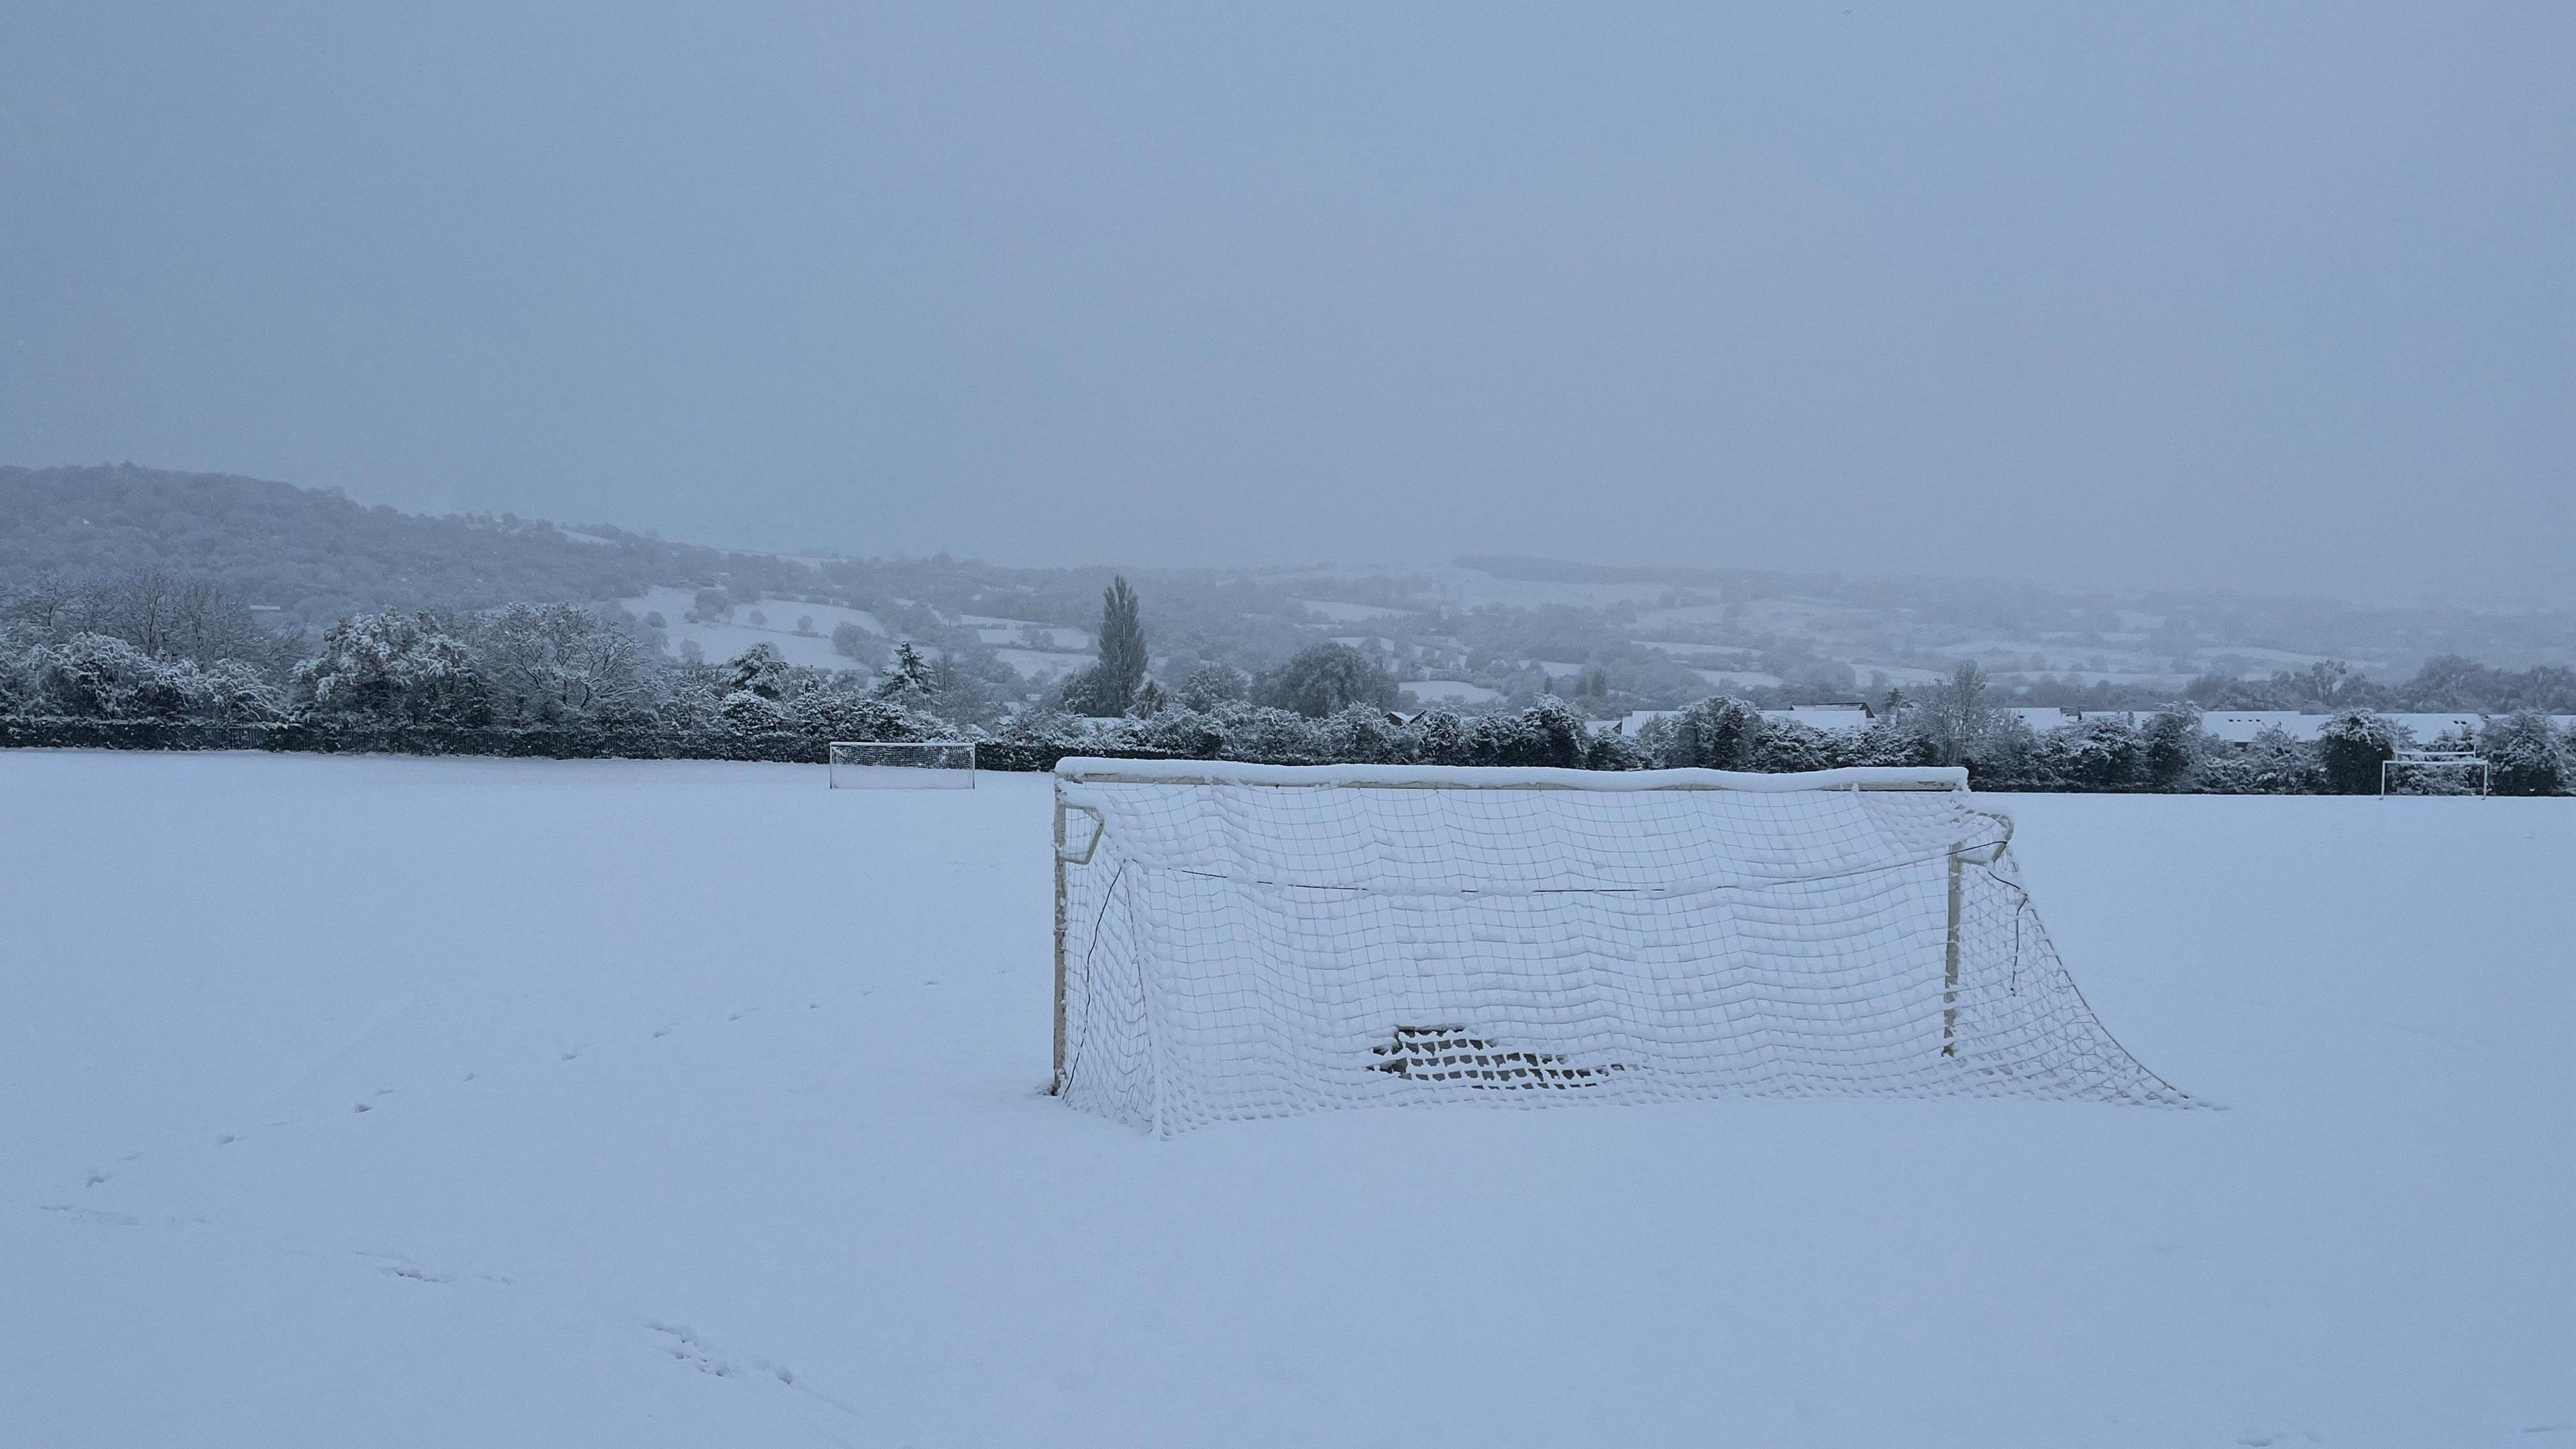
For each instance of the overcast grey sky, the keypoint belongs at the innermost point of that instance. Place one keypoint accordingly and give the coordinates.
(2252, 296)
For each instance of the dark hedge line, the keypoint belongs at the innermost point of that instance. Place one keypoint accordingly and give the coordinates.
(2097, 757)
(335, 739)
(1022, 758)
(777, 747)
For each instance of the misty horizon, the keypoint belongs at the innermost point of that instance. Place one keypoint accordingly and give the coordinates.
(2191, 299)
(1658, 572)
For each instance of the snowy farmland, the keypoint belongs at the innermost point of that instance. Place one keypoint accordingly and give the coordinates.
(409, 1102)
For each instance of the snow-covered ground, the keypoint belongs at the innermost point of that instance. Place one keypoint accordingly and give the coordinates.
(1038, 664)
(1448, 691)
(409, 1102)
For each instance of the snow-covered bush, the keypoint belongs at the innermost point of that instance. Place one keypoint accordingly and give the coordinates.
(95, 676)
(2529, 757)
(1610, 750)
(1549, 732)
(841, 714)
(2273, 764)
(2005, 756)
(1788, 745)
(2170, 747)
(2093, 754)
(1714, 734)
(233, 692)
(2352, 746)
(746, 713)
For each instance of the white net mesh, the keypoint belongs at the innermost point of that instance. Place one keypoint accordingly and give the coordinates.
(1234, 950)
(910, 765)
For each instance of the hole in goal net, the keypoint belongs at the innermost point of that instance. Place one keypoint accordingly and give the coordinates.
(1242, 941)
(922, 765)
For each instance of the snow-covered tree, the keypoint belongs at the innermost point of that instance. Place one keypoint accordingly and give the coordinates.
(1325, 679)
(1953, 715)
(1122, 647)
(1211, 686)
(403, 668)
(853, 642)
(554, 663)
(909, 680)
(759, 670)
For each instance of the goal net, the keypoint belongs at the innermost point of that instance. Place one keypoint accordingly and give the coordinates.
(920, 765)
(1237, 941)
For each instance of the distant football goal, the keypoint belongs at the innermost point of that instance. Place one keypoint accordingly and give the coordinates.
(1242, 941)
(912, 765)
(2413, 764)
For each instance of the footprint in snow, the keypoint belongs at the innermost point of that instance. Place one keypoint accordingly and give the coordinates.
(93, 1215)
(363, 1107)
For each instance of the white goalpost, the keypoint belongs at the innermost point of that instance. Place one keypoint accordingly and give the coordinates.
(1240, 941)
(2464, 762)
(910, 765)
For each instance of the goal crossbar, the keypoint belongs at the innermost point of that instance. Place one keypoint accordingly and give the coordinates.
(1085, 770)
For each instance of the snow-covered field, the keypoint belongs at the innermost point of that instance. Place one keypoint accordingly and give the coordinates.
(1449, 691)
(409, 1102)
(726, 641)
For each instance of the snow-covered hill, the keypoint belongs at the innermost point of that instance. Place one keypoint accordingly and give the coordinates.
(442, 1102)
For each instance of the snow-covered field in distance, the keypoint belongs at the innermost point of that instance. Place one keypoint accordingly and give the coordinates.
(1449, 691)
(436, 1102)
(726, 641)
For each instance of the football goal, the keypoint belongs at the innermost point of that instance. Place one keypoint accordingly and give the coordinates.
(2463, 763)
(1239, 941)
(912, 765)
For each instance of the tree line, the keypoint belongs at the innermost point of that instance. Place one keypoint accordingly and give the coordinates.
(152, 661)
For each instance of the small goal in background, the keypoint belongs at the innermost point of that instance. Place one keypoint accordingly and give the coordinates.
(2462, 763)
(913, 765)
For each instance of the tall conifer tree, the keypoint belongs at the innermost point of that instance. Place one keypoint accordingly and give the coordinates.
(1122, 647)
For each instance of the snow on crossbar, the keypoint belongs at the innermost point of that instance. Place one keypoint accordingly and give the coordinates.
(1238, 941)
(1082, 769)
